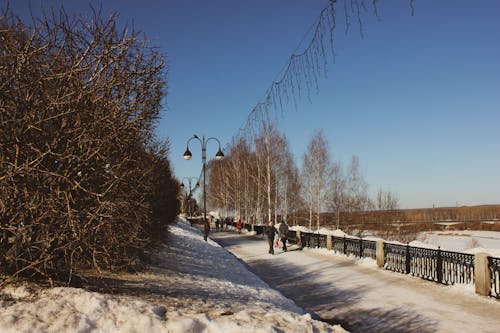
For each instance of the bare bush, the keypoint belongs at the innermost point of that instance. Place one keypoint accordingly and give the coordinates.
(78, 183)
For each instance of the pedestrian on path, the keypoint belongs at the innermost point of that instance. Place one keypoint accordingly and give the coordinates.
(283, 234)
(239, 226)
(270, 233)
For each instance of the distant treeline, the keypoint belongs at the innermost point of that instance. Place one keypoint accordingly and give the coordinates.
(422, 215)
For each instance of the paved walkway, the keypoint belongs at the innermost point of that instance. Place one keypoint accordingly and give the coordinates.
(362, 297)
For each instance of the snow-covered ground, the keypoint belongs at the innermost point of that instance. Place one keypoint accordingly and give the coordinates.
(468, 241)
(197, 286)
(362, 297)
(191, 286)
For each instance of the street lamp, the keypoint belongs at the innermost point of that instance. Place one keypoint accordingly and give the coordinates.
(188, 194)
(218, 156)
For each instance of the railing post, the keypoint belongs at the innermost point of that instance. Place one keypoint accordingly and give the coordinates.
(482, 275)
(329, 243)
(380, 254)
(361, 247)
(408, 259)
(439, 266)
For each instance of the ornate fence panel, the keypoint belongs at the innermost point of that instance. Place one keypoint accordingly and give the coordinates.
(353, 246)
(292, 236)
(305, 239)
(319, 241)
(423, 263)
(338, 244)
(444, 267)
(369, 249)
(494, 266)
(358, 247)
(313, 240)
(396, 258)
(455, 267)
(259, 229)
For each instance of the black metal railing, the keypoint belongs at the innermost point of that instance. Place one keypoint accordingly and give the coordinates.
(338, 244)
(313, 240)
(423, 263)
(352, 246)
(397, 258)
(355, 246)
(368, 249)
(305, 239)
(444, 267)
(292, 236)
(318, 241)
(455, 267)
(259, 229)
(494, 267)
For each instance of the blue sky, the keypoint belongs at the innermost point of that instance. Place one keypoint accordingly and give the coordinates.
(417, 99)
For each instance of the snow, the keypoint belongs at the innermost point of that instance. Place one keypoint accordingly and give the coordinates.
(323, 231)
(197, 286)
(468, 241)
(361, 296)
(191, 286)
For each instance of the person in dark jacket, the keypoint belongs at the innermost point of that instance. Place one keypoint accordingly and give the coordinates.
(270, 233)
(283, 233)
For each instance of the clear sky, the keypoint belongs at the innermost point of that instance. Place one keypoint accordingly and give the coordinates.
(417, 99)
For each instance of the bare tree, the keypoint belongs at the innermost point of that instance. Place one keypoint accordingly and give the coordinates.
(338, 191)
(269, 147)
(357, 188)
(316, 171)
(290, 187)
(302, 74)
(357, 199)
(387, 200)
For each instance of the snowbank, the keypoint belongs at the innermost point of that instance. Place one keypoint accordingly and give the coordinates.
(191, 286)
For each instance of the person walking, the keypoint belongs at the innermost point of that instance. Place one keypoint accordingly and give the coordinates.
(239, 226)
(270, 233)
(283, 234)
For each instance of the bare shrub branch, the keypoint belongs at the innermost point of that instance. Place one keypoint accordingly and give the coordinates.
(78, 175)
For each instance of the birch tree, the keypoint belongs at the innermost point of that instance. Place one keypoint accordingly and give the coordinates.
(337, 191)
(291, 187)
(316, 170)
(269, 147)
(356, 187)
(387, 200)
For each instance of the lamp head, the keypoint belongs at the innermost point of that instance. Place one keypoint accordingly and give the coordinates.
(187, 154)
(219, 155)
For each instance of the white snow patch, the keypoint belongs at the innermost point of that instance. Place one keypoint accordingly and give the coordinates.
(194, 286)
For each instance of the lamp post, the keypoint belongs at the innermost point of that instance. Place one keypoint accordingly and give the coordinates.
(218, 156)
(188, 194)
